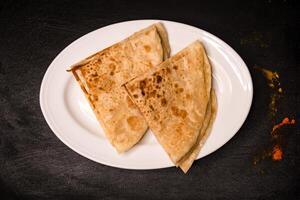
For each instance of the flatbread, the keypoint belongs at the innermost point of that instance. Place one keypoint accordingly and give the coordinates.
(186, 162)
(102, 75)
(204, 133)
(173, 99)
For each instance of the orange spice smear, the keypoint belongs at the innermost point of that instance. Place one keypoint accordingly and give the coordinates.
(285, 121)
(277, 153)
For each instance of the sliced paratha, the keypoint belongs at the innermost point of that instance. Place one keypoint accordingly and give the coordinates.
(186, 163)
(173, 99)
(189, 158)
(101, 76)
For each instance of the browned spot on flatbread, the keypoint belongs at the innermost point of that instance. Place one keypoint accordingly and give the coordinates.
(152, 94)
(163, 102)
(151, 107)
(168, 70)
(147, 48)
(156, 117)
(142, 86)
(175, 67)
(143, 83)
(131, 88)
(112, 66)
(178, 112)
(158, 79)
(179, 90)
(149, 87)
(94, 97)
(134, 123)
(129, 102)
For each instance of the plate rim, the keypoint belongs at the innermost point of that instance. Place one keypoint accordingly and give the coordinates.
(54, 129)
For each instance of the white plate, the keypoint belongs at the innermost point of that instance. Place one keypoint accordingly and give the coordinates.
(69, 116)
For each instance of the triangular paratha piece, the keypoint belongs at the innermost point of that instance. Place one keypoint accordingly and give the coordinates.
(173, 99)
(102, 75)
(189, 158)
(210, 116)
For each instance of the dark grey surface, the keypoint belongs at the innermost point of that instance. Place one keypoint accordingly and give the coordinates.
(34, 164)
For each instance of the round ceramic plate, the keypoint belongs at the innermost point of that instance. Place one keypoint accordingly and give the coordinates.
(70, 117)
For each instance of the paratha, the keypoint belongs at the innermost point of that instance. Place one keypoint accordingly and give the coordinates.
(189, 158)
(173, 98)
(186, 163)
(101, 76)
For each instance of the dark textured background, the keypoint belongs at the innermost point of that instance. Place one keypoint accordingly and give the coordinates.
(34, 164)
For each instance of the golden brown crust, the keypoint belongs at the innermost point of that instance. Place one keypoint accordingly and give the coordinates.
(164, 39)
(173, 99)
(188, 160)
(101, 76)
